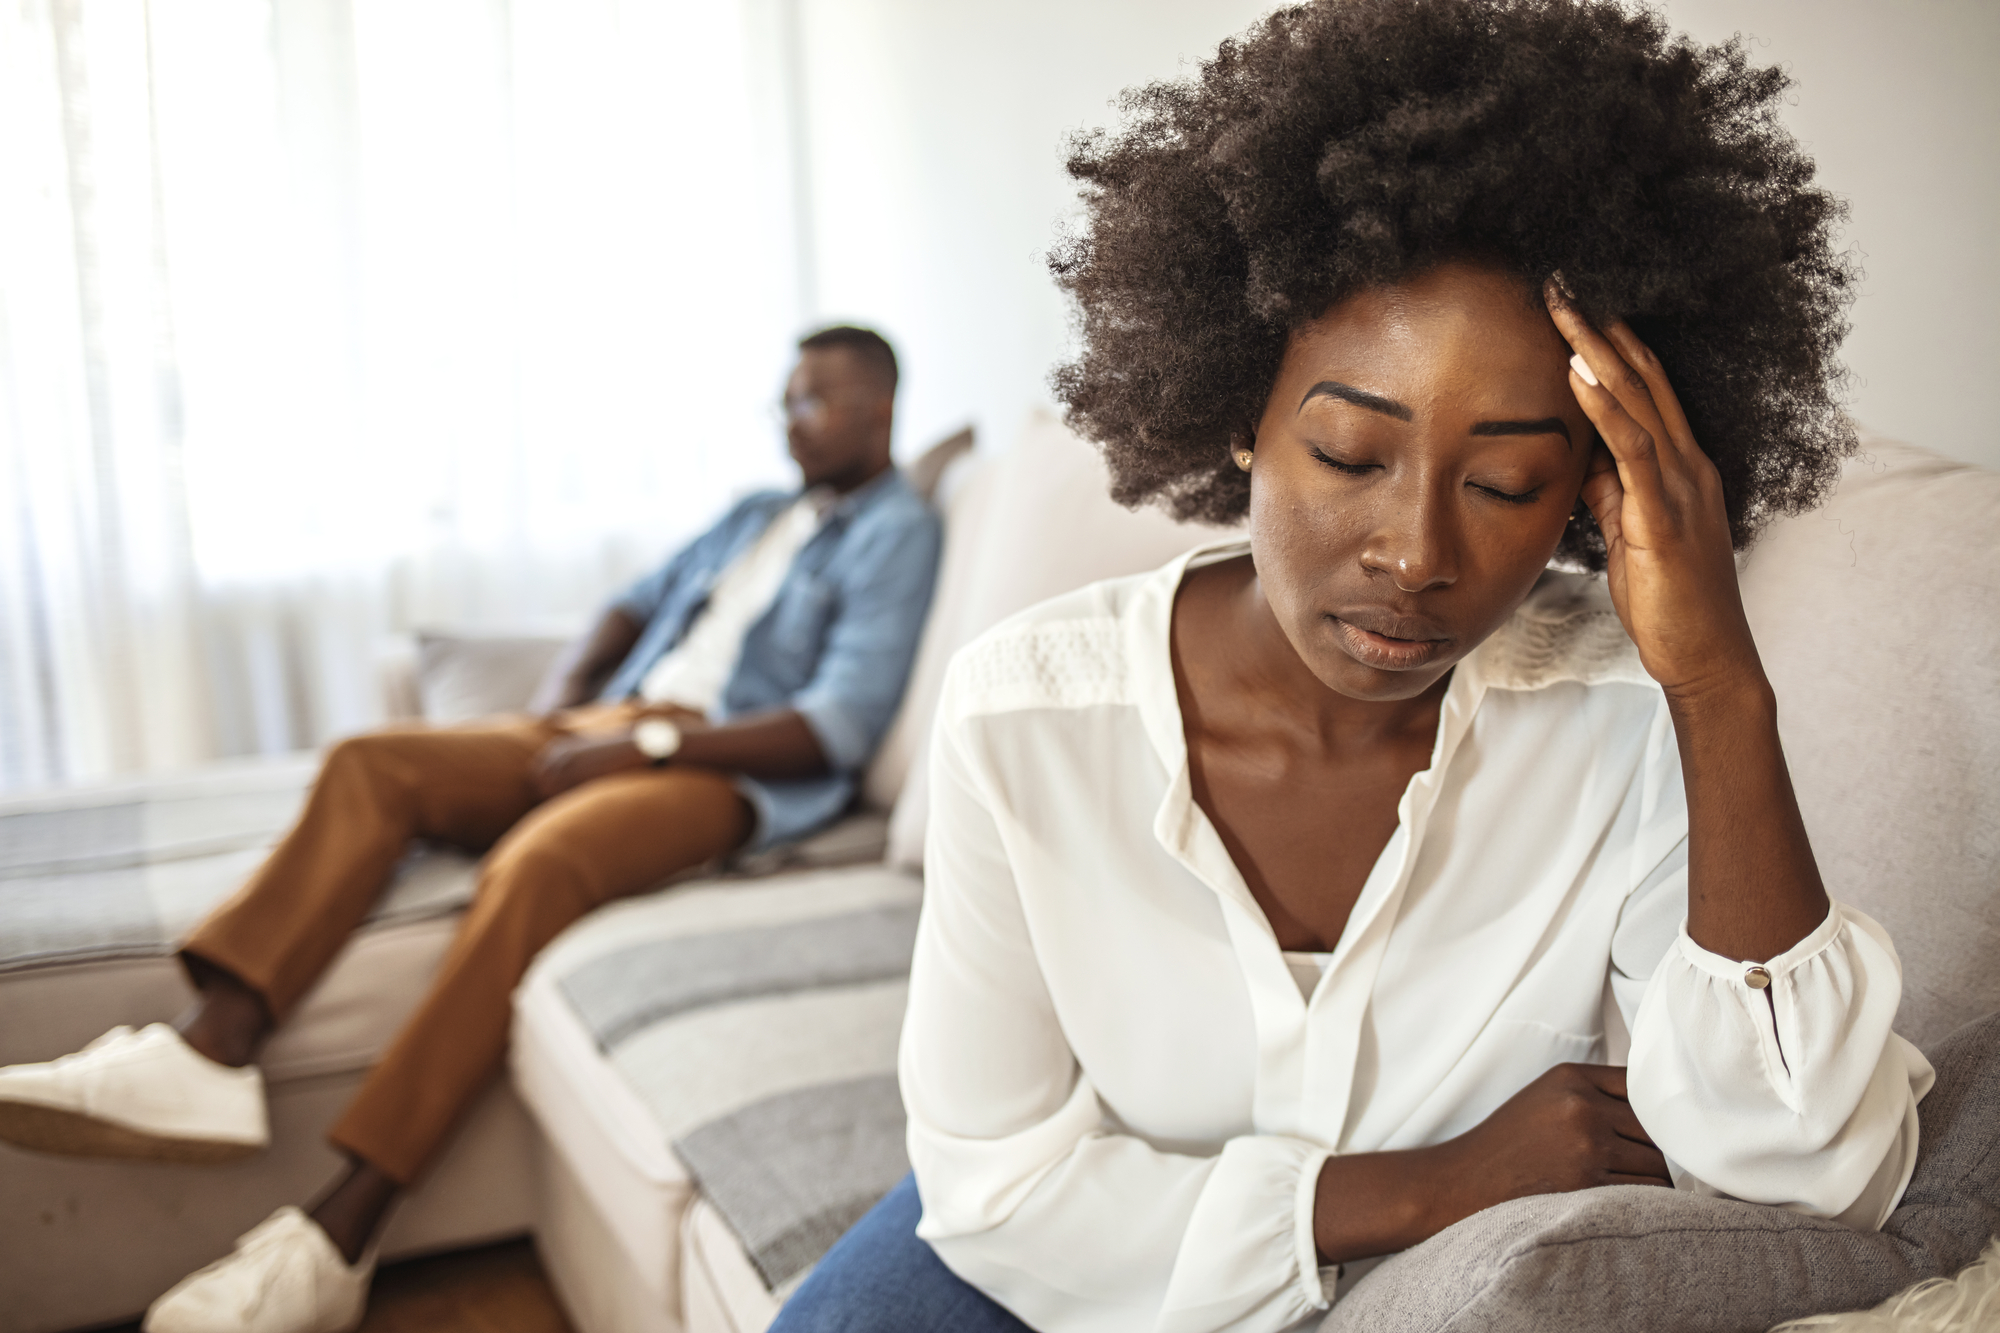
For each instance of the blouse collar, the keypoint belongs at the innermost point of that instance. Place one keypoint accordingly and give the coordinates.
(1565, 630)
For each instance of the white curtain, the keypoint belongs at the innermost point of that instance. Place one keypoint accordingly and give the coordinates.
(321, 320)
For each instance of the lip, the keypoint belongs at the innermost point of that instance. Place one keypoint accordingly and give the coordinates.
(1389, 642)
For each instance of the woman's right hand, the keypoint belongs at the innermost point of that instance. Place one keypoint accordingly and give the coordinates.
(1570, 1129)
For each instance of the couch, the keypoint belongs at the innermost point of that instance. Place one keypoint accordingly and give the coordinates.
(701, 1093)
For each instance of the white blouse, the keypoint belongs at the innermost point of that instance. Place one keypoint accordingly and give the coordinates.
(1119, 1100)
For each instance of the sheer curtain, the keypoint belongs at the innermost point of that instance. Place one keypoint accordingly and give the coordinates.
(325, 319)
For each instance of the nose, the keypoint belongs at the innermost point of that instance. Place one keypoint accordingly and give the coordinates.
(1413, 543)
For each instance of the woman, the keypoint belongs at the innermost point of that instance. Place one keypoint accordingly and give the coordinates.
(1291, 903)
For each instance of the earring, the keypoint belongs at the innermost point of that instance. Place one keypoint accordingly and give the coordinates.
(1243, 457)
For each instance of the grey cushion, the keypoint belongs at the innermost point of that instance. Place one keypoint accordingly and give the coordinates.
(1640, 1260)
(1891, 727)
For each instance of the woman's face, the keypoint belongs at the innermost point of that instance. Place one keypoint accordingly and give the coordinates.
(1416, 463)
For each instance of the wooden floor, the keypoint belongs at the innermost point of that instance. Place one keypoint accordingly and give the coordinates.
(500, 1289)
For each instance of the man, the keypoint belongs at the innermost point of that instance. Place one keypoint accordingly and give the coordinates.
(738, 692)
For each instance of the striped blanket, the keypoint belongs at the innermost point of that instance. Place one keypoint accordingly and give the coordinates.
(758, 1024)
(124, 870)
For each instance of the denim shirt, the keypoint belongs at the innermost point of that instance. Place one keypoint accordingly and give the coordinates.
(835, 644)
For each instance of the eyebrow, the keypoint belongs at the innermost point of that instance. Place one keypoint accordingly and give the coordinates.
(1389, 407)
(1347, 393)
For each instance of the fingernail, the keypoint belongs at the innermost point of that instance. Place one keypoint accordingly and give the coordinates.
(1582, 369)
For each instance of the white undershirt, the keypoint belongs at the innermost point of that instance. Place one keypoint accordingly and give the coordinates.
(1307, 969)
(694, 672)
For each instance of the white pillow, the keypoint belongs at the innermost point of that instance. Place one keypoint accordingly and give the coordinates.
(1027, 525)
(464, 676)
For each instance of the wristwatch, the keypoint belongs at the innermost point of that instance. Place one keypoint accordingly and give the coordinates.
(658, 739)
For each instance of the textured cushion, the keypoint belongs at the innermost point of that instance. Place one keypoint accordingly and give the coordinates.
(1878, 617)
(1639, 1259)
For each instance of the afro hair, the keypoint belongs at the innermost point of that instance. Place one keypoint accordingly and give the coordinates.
(1347, 144)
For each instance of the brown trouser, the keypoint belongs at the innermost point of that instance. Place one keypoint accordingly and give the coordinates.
(551, 862)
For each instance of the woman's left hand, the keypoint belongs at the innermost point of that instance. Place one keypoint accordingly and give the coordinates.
(1658, 500)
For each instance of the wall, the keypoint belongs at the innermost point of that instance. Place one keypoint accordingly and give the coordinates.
(1898, 102)
(936, 134)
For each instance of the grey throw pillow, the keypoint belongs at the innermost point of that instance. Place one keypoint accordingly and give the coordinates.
(1644, 1260)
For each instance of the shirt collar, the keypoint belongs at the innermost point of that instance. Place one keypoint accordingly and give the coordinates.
(1565, 630)
(846, 506)
(1185, 832)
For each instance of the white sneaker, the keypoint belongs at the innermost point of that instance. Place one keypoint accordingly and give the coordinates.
(285, 1276)
(144, 1094)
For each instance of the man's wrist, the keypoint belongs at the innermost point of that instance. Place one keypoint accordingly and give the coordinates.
(658, 739)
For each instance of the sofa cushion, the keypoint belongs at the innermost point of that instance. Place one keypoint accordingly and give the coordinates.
(1640, 1259)
(1878, 618)
(732, 1039)
(121, 870)
(96, 886)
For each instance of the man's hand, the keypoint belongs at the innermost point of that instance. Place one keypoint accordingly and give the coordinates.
(582, 668)
(571, 761)
(1570, 1129)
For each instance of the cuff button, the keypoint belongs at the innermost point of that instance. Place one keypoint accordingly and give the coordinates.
(1757, 978)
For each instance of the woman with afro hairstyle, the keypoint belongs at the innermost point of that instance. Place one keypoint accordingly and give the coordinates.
(1434, 846)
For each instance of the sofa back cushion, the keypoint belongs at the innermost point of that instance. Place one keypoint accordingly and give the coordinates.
(1878, 617)
(1024, 526)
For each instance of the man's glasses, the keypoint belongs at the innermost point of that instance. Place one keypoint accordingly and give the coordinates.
(806, 410)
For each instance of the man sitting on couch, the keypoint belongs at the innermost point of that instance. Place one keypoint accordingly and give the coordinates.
(739, 691)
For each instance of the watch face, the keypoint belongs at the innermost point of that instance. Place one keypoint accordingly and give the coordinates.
(656, 738)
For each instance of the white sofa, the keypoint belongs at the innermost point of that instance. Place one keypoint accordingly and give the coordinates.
(632, 1244)
(98, 882)
(1879, 617)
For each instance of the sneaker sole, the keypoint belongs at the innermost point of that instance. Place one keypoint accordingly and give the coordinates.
(50, 1129)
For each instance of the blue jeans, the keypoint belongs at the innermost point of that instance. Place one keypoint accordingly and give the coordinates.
(879, 1278)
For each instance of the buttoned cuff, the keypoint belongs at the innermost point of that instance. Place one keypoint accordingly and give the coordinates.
(1314, 1285)
(1773, 970)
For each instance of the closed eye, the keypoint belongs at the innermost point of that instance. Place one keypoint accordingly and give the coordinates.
(1351, 469)
(1510, 497)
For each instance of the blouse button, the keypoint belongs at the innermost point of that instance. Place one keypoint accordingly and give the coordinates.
(1757, 978)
